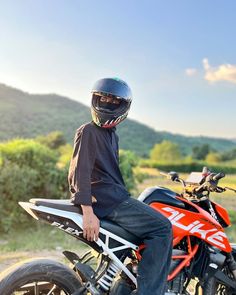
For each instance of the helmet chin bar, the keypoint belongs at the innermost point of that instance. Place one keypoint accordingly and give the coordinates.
(113, 123)
(109, 123)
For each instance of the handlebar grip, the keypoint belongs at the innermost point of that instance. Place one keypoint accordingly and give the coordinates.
(218, 176)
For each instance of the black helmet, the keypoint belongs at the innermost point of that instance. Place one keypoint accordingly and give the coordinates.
(105, 113)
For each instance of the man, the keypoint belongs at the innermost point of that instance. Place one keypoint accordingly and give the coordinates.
(96, 184)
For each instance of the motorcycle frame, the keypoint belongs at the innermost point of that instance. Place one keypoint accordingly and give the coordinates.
(103, 246)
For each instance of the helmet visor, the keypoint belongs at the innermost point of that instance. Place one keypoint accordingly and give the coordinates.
(108, 104)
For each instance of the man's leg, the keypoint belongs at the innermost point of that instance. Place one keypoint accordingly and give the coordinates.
(156, 231)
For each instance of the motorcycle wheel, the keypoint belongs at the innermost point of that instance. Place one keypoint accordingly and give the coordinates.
(39, 277)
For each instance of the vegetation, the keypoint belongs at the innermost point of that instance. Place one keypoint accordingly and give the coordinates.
(53, 140)
(166, 156)
(166, 151)
(128, 161)
(28, 169)
(42, 235)
(26, 115)
(200, 152)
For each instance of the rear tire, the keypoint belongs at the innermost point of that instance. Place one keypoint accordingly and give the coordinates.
(36, 271)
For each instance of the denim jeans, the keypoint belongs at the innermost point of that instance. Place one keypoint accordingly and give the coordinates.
(156, 232)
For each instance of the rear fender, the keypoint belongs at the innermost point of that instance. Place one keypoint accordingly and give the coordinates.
(69, 222)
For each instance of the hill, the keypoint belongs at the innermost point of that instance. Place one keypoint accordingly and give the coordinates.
(28, 115)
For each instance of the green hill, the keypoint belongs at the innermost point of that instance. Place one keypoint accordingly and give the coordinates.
(28, 115)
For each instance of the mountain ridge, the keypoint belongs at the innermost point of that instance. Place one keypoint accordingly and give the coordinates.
(27, 115)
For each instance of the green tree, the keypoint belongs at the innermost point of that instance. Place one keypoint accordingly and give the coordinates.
(213, 158)
(166, 151)
(230, 155)
(200, 152)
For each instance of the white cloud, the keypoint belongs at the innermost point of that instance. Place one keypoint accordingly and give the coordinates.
(191, 72)
(224, 72)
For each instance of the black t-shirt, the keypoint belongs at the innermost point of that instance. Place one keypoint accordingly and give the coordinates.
(94, 169)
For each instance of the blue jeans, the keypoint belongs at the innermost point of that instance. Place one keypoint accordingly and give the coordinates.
(156, 232)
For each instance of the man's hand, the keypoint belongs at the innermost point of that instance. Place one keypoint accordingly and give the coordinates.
(91, 224)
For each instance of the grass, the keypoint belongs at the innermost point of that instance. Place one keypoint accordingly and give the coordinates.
(41, 238)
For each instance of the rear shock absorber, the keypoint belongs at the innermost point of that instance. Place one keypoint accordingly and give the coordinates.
(106, 280)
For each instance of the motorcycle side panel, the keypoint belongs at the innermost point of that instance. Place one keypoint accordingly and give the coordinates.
(199, 224)
(222, 212)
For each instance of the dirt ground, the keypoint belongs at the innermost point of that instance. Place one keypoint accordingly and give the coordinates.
(9, 259)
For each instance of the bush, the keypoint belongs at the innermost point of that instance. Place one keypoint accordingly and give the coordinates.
(16, 184)
(28, 170)
(52, 140)
(65, 153)
(28, 152)
(128, 161)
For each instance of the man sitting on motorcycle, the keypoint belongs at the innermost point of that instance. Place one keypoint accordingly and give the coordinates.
(96, 184)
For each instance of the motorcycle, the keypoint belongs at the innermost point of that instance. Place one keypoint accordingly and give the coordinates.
(203, 260)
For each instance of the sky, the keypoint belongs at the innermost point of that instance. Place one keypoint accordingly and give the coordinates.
(178, 56)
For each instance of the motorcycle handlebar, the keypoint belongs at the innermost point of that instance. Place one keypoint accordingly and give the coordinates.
(210, 183)
(218, 176)
(171, 175)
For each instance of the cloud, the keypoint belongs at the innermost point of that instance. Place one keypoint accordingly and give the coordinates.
(191, 72)
(224, 72)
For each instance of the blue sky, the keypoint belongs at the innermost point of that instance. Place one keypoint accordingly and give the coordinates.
(178, 56)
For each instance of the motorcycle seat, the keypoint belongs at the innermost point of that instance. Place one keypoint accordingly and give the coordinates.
(67, 205)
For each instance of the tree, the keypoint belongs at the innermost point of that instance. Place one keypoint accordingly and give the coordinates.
(229, 155)
(213, 158)
(200, 152)
(166, 151)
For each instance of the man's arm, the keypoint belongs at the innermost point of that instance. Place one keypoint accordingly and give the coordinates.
(91, 223)
(81, 167)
